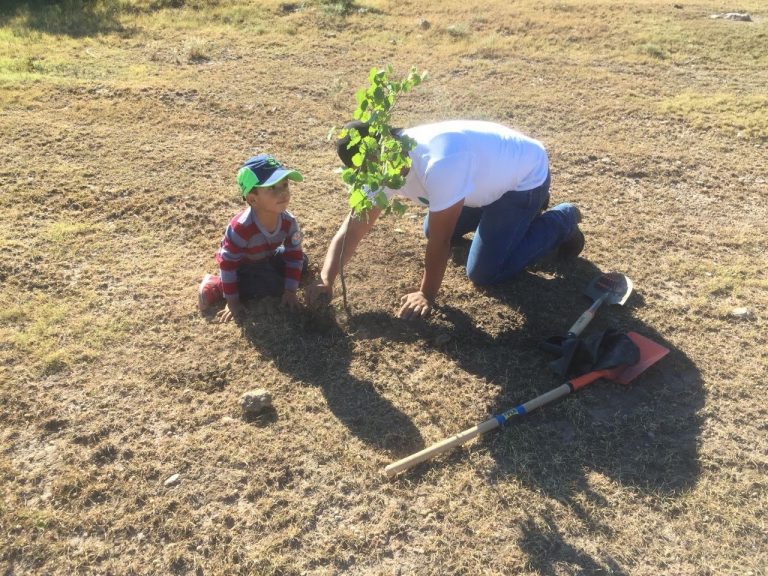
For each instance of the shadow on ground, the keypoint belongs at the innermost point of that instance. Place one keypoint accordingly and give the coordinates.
(321, 356)
(643, 435)
(76, 18)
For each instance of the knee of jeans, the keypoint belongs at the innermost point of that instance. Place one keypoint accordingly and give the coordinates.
(479, 277)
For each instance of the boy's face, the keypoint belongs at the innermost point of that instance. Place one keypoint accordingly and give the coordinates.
(272, 199)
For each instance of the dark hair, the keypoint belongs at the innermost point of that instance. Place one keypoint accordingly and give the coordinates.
(342, 144)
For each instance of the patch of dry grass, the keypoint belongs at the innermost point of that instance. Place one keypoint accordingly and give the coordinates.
(740, 116)
(123, 131)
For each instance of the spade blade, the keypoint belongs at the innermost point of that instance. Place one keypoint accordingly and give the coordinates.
(615, 286)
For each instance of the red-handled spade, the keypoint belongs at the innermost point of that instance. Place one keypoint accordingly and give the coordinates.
(650, 353)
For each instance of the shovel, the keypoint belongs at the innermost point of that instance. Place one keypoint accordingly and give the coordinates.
(649, 353)
(607, 288)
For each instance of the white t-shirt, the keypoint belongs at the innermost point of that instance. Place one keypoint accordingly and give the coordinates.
(471, 160)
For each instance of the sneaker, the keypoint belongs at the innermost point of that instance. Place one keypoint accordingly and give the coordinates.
(574, 244)
(209, 292)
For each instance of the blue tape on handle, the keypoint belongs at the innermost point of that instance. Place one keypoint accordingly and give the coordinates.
(517, 411)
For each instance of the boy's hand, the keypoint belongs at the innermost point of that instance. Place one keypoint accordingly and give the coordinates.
(290, 301)
(318, 294)
(414, 306)
(233, 309)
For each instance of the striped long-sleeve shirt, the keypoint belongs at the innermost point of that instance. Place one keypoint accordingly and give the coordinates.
(246, 242)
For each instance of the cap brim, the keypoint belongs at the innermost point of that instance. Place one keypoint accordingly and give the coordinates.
(281, 174)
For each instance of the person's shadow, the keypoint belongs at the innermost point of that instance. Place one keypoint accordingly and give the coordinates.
(317, 352)
(76, 19)
(642, 435)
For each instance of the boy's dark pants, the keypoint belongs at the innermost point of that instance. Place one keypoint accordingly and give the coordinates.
(265, 278)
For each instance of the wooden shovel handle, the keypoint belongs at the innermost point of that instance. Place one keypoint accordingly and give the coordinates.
(440, 447)
(487, 426)
(586, 317)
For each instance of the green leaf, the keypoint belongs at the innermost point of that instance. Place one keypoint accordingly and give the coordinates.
(356, 197)
(381, 199)
(370, 142)
(396, 182)
(379, 157)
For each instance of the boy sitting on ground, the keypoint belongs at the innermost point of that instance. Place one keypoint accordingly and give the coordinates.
(260, 254)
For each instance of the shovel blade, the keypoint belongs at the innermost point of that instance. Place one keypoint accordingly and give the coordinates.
(650, 353)
(616, 288)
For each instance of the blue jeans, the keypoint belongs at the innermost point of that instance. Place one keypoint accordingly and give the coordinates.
(512, 233)
(264, 278)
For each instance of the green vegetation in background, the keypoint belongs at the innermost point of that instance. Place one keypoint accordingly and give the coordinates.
(52, 335)
(49, 333)
(555, 29)
(82, 41)
(744, 116)
(75, 18)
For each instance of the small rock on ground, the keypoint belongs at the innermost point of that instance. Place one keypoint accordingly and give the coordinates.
(741, 313)
(255, 401)
(738, 16)
(171, 480)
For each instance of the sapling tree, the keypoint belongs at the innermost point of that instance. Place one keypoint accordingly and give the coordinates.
(382, 159)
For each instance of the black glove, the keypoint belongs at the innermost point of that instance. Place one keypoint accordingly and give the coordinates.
(596, 352)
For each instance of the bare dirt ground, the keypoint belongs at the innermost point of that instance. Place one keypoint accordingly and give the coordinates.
(121, 144)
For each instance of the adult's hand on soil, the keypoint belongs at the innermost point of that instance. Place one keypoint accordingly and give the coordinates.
(233, 310)
(414, 306)
(318, 294)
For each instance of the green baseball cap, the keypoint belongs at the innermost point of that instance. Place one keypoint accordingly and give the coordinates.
(263, 171)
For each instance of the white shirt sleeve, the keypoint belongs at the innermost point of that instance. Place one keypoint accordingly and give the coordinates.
(448, 180)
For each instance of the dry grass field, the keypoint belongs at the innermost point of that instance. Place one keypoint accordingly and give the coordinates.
(123, 123)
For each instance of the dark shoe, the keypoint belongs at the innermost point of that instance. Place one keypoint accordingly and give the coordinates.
(574, 244)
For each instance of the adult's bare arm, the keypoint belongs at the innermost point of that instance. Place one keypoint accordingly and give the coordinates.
(341, 249)
(441, 227)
